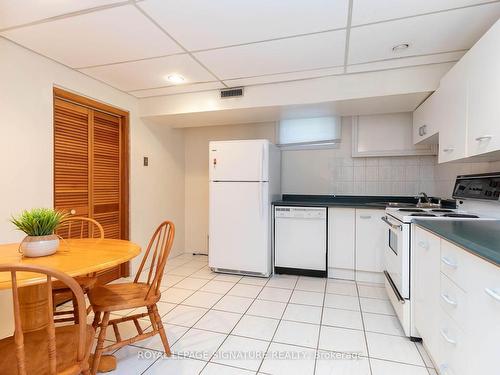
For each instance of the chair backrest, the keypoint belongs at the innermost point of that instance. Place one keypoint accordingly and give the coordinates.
(51, 338)
(156, 256)
(80, 227)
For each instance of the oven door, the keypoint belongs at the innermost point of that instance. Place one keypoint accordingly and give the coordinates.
(396, 257)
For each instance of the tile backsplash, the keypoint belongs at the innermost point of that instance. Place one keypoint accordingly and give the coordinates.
(334, 171)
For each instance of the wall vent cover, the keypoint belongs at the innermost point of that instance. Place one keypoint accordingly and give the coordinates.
(231, 92)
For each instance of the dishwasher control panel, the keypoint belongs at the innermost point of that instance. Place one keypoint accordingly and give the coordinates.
(300, 212)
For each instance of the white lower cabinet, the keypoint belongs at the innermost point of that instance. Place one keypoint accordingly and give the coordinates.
(371, 234)
(356, 241)
(456, 306)
(426, 249)
(483, 329)
(341, 237)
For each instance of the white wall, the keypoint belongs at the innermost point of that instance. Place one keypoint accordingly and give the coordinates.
(196, 166)
(26, 82)
(334, 171)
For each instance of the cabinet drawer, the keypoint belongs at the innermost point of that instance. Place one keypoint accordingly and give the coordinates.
(451, 347)
(453, 301)
(453, 263)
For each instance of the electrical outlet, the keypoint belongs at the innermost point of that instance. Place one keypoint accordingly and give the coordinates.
(146, 161)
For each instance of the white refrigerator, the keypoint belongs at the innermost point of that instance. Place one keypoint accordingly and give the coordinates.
(244, 180)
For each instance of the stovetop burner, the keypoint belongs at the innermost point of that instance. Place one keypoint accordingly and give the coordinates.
(441, 210)
(465, 216)
(424, 214)
(411, 210)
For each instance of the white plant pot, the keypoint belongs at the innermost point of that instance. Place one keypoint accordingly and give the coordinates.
(39, 246)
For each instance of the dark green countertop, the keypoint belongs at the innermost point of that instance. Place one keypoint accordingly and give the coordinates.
(479, 237)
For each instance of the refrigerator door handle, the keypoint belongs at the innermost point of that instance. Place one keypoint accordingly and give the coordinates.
(261, 198)
(261, 184)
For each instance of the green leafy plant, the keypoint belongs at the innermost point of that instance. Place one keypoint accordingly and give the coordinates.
(38, 221)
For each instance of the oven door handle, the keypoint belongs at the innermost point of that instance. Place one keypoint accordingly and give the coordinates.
(394, 289)
(385, 219)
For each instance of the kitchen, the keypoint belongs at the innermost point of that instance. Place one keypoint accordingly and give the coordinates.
(334, 181)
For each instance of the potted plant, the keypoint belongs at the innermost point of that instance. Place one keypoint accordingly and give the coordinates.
(39, 224)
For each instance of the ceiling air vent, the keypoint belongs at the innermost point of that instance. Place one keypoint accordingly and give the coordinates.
(231, 92)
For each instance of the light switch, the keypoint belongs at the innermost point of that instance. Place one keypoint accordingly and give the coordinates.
(146, 161)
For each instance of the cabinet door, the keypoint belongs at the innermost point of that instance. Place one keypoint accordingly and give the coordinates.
(426, 286)
(483, 316)
(484, 93)
(341, 235)
(453, 120)
(371, 234)
(425, 119)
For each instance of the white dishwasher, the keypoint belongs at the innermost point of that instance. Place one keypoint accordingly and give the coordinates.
(300, 240)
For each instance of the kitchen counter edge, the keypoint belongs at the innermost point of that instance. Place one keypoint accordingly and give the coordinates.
(471, 240)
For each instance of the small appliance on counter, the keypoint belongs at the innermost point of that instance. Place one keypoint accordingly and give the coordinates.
(475, 194)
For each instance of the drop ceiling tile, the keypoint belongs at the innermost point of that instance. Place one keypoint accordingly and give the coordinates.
(108, 36)
(146, 74)
(202, 24)
(279, 56)
(433, 33)
(406, 61)
(367, 11)
(284, 77)
(15, 12)
(178, 89)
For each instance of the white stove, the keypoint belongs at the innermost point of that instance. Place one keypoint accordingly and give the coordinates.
(474, 191)
(408, 215)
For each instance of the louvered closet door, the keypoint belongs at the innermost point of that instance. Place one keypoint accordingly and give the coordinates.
(106, 169)
(88, 165)
(71, 159)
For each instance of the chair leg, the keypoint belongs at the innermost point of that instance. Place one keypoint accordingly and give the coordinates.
(161, 330)
(97, 317)
(100, 343)
(152, 317)
(75, 308)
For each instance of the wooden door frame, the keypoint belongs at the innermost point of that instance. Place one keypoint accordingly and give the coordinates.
(124, 147)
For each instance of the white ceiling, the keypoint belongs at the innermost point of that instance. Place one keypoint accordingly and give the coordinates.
(132, 45)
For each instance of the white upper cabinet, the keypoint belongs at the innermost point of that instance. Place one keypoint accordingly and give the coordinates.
(425, 119)
(465, 110)
(483, 118)
(386, 135)
(453, 113)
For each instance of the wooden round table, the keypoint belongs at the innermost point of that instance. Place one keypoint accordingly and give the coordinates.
(75, 257)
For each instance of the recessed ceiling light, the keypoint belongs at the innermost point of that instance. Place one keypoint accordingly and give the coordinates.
(175, 78)
(400, 47)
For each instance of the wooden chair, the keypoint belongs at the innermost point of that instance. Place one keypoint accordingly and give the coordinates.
(53, 350)
(106, 299)
(75, 227)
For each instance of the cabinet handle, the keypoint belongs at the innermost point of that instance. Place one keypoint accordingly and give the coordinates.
(451, 149)
(484, 138)
(447, 338)
(449, 263)
(492, 294)
(424, 129)
(423, 244)
(365, 217)
(448, 300)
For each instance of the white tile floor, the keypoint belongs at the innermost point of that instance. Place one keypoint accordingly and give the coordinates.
(232, 325)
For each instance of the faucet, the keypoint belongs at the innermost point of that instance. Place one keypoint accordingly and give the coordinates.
(424, 196)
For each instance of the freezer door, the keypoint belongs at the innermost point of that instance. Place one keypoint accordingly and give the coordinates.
(239, 231)
(239, 160)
